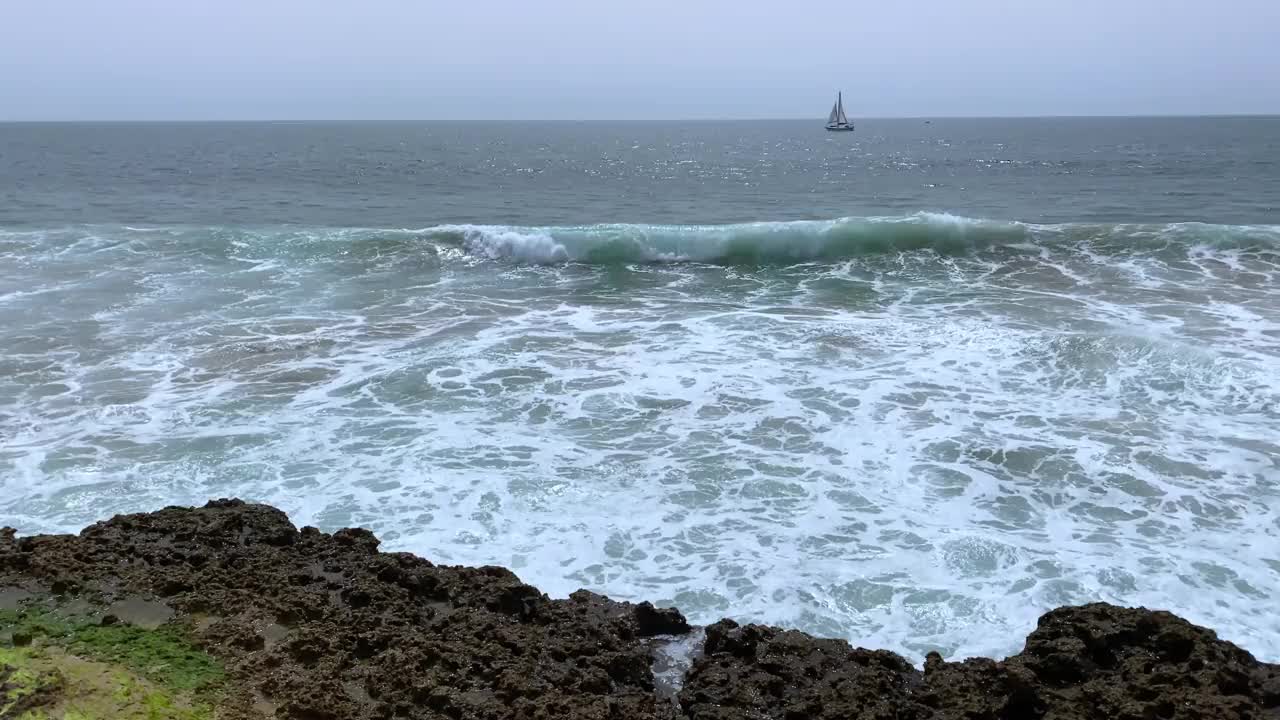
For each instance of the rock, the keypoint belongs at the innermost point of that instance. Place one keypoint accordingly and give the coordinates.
(980, 688)
(666, 621)
(755, 671)
(1132, 664)
(418, 640)
(1096, 662)
(322, 625)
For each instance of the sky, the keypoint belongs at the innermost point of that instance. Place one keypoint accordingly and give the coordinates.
(652, 59)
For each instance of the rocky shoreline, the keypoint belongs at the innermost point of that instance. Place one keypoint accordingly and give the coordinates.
(307, 625)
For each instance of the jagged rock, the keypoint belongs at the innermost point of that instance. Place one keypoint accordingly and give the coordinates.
(660, 621)
(327, 626)
(1131, 664)
(755, 671)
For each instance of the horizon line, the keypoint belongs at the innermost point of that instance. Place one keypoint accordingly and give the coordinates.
(491, 121)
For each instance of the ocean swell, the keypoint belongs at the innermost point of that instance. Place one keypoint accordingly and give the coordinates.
(752, 243)
(819, 240)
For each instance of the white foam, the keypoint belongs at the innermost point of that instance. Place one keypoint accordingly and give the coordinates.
(911, 450)
(495, 242)
(794, 240)
(804, 240)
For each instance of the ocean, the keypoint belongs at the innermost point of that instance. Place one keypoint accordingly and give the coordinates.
(910, 386)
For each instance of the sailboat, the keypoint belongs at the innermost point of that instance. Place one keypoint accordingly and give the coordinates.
(836, 121)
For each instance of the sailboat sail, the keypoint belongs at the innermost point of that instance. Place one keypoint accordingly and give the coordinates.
(837, 120)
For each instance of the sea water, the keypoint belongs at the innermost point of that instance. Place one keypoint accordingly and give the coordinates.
(910, 386)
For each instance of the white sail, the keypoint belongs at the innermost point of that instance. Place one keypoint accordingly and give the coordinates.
(837, 120)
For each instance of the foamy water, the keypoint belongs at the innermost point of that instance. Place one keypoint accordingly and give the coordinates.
(914, 432)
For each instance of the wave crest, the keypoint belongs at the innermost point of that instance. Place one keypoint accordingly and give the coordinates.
(816, 240)
(744, 242)
(762, 242)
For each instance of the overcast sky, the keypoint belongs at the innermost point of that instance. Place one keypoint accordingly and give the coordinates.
(463, 59)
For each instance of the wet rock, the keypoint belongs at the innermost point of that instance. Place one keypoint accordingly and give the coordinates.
(313, 625)
(1092, 662)
(654, 621)
(418, 640)
(980, 688)
(1133, 664)
(358, 538)
(755, 671)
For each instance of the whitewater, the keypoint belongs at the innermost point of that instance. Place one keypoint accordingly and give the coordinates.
(914, 431)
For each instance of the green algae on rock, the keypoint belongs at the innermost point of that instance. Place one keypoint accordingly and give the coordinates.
(23, 683)
(163, 655)
(62, 665)
(44, 682)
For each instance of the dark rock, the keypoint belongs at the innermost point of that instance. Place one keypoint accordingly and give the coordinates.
(653, 621)
(357, 537)
(980, 688)
(418, 640)
(1134, 664)
(755, 671)
(1093, 662)
(327, 626)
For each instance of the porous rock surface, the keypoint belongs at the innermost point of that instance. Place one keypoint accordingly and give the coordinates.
(319, 626)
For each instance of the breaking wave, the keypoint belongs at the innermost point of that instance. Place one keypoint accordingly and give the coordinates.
(798, 241)
(764, 242)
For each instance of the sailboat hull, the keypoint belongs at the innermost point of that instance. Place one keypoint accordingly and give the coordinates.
(836, 121)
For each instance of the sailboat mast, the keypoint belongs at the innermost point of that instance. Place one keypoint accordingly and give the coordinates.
(837, 120)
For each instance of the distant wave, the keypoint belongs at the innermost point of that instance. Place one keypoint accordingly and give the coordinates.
(743, 242)
(798, 241)
(764, 242)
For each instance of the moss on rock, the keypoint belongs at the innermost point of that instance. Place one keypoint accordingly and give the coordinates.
(24, 684)
(60, 666)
